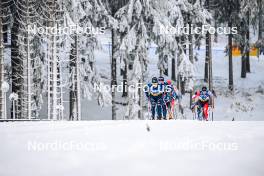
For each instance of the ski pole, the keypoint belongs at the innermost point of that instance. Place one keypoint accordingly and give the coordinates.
(209, 115)
(194, 112)
(174, 110)
(212, 114)
(166, 108)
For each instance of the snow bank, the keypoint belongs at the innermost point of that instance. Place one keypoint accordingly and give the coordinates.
(119, 148)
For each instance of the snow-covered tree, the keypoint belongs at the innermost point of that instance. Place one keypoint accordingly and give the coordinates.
(134, 19)
(25, 60)
(182, 14)
(260, 20)
(228, 13)
(83, 75)
(249, 14)
(2, 102)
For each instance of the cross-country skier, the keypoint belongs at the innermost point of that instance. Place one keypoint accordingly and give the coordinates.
(154, 93)
(202, 99)
(194, 102)
(169, 99)
(163, 85)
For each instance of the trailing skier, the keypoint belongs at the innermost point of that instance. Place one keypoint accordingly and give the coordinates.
(202, 99)
(194, 101)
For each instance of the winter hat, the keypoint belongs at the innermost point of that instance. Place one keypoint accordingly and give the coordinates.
(154, 80)
(161, 78)
(169, 82)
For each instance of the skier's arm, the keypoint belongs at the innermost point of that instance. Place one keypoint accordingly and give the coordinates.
(194, 103)
(174, 94)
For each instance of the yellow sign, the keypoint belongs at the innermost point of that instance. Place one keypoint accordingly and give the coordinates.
(236, 51)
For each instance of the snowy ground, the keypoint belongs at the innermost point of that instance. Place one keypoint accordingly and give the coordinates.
(118, 148)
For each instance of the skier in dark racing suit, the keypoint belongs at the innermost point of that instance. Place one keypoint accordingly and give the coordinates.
(154, 92)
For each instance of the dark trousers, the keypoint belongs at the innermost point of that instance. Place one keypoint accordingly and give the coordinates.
(156, 103)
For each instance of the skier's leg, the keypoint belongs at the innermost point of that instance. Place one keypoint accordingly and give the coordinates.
(199, 112)
(153, 108)
(195, 112)
(172, 108)
(205, 111)
(168, 105)
(159, 110)
(164, 109)
(172, 104)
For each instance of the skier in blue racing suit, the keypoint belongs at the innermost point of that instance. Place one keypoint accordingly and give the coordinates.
(154, 93)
